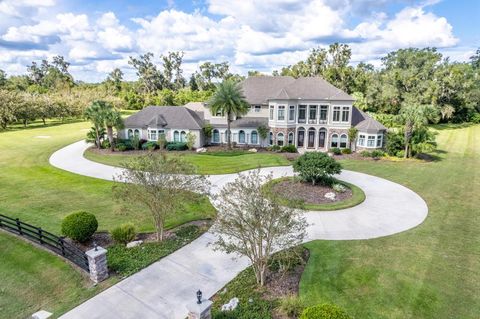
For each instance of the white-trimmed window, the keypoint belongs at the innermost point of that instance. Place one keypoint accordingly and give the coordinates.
(323, 113)
(300, 137)
(336, 114)
(254, 137)
(130, 133)
(215, 136)
(371, 141)
(152, 135)
(281, 113)
(280, 139)
(136, 133)
(312, 114)
(302, 113)
(241, 137)
(379, 140)
(291, 113)
(361, 140)
(256, 108)
(272, 112)
(176, 136)
(334, 142)
(343, 141)
(345, 114)
(290, 138)
(271, 138)
(183, 136)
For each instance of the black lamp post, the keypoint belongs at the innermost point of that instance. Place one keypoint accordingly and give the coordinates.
(199, 297)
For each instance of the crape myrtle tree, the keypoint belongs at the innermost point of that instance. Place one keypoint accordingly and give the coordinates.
(251, 225)
(161, 184)
(228, 99)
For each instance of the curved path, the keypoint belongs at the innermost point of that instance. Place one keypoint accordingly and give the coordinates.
(163, 289)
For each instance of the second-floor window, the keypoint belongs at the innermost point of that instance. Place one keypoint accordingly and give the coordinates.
(345, 114)
(312, 114)
(291, 113)
(323, 113)
(281, 113)
(302, 113)
(271, 112)
(336, 113)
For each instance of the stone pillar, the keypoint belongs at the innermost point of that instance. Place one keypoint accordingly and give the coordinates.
(200, 311)
(97, 263)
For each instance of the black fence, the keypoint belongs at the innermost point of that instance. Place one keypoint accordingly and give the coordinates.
(46, 239)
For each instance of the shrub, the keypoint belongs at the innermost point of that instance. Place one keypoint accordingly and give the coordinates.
(177, 146)
(150, 145)
(475, 118)
(274, 148)
(162, 141)
(378, 153)
(79, 226)
(292, 306)
(400, 154)
(105, 144)
(191, 138)
(325, 311)
(137, 143)
(346, 151)
(124, 234)
(121, 147)
(339, 188)
(395, 143)
(316, 167)
(336, 151)
(289, 148)
(366, 154)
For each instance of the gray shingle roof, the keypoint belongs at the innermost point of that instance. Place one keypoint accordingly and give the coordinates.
(165, 117)
(364, 123)
(259, 89)
(247, 122)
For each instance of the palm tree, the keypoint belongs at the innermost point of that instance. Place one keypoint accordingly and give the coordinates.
(112, 119)
(412, 117)
(228, 99)
(95, 114)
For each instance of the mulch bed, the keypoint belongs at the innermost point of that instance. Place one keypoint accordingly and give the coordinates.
(307, 193)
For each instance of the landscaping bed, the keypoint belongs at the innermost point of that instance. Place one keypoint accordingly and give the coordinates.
(293, 192)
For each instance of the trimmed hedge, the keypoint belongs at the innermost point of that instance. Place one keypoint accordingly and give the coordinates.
(176, 146)
(289, 148)
(324, 311)
(336, 151)
(79, 226)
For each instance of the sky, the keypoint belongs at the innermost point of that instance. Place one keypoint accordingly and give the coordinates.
(96, 36)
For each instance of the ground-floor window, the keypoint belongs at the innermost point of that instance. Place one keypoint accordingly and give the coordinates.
(136, 133)
(321, 137)
(280, 139)
(183, 137)
(334, 142)
(371, 141)
(130, 134)
(271, 138)
(176, 136)
(152, 135)
(343, 141)
(241, 137)
(300, 137)
(254, 137)
(379, 140)
(290, 138)
(216, 136)
(361, 140)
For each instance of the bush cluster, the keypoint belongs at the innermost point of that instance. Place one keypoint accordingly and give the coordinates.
(150, 145)
(317, 168)
(124, 234)
(176, 146)
(336, 151)
(79, 226)
(346, 151)
(289, 148)
(374, 153)
(324, 311)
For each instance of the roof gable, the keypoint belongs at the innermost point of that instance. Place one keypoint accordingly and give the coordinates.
(165, 117)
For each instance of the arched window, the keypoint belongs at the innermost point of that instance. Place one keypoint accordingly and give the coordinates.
(254, 137)
(311, 137)
(130, 134)
(301, 137)
(183, 136)
(322, 133)
(216, 136)
(241, 137)
(271, 138)
(343, 141)
(334, 142)
(176, 136)
(290, 138)
(136, 133)
(280, 139)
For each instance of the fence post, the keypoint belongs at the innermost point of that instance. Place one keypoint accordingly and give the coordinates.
(97, 264)
(40, 235)
(19, 226)
(62, 246)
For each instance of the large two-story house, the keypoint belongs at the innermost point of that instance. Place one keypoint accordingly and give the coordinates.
(307, 112)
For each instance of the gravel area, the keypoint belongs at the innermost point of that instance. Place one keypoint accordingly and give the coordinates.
(307, 193)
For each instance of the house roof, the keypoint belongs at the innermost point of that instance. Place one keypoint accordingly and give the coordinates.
(260, 89)
(166, 117)
(247, 122)
(364, 123)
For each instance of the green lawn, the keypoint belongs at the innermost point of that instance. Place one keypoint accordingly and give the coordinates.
(432, 271)
(33, 279)
(42, 195)
(215, 163)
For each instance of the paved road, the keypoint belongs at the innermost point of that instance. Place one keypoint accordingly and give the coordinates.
(163, 289)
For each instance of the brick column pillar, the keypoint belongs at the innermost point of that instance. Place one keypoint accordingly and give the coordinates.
(97, 263)
(200, 311)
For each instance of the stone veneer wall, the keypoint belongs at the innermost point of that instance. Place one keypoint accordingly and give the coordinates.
(285, 131)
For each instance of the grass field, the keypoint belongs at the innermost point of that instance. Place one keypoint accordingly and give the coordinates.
(33, 279)
(432, 271)
(42, 195)
(206, 163)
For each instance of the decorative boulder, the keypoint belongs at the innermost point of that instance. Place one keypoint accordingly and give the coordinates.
(231, 305)
(201, 150)
(330, 195)
(134, 243)
(252, 150)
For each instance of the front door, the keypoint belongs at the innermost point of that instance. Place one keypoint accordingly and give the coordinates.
(301, 138)
(311, 139)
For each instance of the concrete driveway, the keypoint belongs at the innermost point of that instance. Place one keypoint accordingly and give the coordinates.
(163, 289)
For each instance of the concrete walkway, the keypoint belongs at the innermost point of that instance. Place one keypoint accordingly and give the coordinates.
(163, 289)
